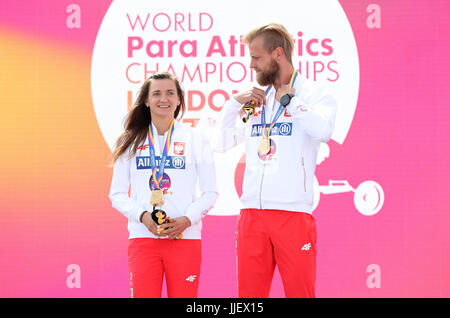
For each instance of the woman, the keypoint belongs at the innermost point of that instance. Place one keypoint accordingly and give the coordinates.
(157, 163)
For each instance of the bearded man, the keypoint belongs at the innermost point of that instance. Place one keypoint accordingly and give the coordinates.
(275, 225)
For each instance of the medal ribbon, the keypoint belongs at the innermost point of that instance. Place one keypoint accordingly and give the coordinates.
(158, 173)
(279, 111)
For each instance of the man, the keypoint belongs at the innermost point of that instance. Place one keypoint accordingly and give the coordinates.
(282, 139)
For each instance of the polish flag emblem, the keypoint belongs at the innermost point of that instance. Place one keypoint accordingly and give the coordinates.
(178, 148)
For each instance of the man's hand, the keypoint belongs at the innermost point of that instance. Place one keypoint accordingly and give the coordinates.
(283, 90)
(256, 94)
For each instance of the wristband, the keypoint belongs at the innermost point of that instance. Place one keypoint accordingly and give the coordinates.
(140, 217)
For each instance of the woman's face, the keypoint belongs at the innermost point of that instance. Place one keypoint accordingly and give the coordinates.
(163, 98)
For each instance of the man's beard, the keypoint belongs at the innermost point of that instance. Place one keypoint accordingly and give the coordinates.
(268, 77)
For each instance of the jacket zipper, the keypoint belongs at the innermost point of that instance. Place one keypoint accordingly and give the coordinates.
(260, 187)
(304, 173)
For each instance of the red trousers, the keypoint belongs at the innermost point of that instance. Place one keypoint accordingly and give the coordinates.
(266, 238)
(150, 259)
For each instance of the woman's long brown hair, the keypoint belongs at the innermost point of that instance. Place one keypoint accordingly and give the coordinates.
(138, 119)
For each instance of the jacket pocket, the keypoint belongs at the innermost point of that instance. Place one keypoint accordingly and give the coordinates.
(304, 173)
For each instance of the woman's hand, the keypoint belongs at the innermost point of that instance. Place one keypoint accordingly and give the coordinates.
(175, 227)
(151, 225)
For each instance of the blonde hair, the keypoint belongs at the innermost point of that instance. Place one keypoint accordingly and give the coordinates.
(274, 35)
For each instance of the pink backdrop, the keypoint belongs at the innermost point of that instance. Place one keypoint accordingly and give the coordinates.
(55, 180)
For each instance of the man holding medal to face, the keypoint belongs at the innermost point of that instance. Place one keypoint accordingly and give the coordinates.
(276, 226)
(157, 165)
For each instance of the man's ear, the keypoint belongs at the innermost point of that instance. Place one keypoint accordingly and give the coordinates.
(278, 54)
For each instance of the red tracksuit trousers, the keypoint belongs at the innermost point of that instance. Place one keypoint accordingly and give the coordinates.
(269, 238)
(149, 260)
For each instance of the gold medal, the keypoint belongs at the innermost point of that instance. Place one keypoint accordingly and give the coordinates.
(157, 198)
(264, 146)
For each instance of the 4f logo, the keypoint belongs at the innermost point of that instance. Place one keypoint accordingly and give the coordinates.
(143, 147)
(306, 247)
(191, 278)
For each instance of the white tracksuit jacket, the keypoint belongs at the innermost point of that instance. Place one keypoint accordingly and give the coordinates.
(189, 163)
(285, 181)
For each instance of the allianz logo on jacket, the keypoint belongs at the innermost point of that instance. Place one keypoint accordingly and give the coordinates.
(172, 162)
(280, 129)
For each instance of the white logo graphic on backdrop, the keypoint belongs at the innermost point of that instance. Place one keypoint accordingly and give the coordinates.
(203, 48)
